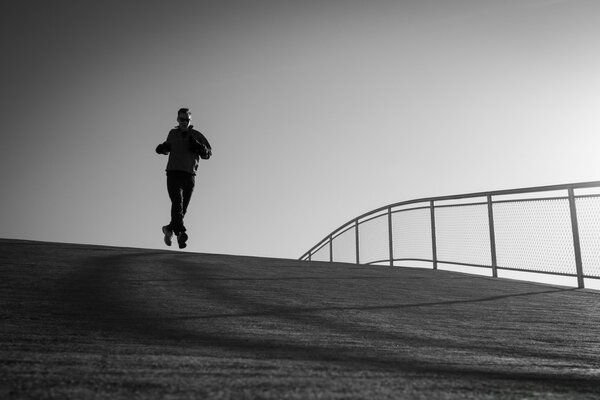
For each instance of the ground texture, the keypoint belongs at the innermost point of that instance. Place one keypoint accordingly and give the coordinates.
(107, 323)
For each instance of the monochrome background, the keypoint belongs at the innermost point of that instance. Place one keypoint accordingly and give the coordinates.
(317, 111)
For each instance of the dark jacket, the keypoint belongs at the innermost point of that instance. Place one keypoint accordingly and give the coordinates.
(185, 148)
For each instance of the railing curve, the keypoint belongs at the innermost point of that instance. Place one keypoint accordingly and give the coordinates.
(551, 230)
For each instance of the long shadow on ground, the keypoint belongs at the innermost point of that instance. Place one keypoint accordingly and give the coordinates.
(484, 335)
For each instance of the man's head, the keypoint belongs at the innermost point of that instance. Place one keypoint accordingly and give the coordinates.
(184, 116)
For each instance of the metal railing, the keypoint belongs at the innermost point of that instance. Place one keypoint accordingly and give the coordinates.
(551, 230)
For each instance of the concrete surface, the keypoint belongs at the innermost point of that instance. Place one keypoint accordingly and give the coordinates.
(106, 323)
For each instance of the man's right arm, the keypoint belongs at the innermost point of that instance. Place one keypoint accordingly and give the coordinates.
(163, 148)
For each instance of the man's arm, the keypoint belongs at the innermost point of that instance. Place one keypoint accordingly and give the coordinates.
(200, 146)
(163, 148)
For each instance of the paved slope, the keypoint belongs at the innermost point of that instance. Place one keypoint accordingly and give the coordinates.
(99, 322)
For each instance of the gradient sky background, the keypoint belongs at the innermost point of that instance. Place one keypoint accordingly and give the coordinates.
(317, 111)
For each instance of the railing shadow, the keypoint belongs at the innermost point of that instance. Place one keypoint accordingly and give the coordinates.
(99, 296)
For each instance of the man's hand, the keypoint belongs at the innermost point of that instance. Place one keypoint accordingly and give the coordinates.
(205, 153)
(163, 148)
(199, 148)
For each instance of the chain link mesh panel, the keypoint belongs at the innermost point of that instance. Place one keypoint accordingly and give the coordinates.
(533, 232)
(411, 233)
(374, 240)
(344, 246)
(588, 219)
(463, 235)
(322, 254)
(535, 235)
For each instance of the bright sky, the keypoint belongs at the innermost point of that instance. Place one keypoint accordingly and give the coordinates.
(317, 111)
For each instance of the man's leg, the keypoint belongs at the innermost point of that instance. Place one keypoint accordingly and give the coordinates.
(174, 187)
(187, 188)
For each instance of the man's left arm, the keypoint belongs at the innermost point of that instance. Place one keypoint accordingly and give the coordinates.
(199, 145)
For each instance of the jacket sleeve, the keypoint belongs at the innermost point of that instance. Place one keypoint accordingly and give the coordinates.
(163, 148)
(204, 141)
(199, 145)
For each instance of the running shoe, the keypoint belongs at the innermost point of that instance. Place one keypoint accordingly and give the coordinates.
(168, 234)
(182, 239)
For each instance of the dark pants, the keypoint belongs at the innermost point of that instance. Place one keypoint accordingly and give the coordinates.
(180, 186)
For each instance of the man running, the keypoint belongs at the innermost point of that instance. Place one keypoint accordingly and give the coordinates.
(185, 146)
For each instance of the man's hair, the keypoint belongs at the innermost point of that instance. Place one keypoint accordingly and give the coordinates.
(184, 111)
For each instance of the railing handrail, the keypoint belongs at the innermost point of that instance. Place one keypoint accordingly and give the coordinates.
(504, 192)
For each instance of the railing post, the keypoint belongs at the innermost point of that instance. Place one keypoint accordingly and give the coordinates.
(357, 239)
(576, 243)
(433, 241)
(330, 248)
(391, 237)
(492, 236)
